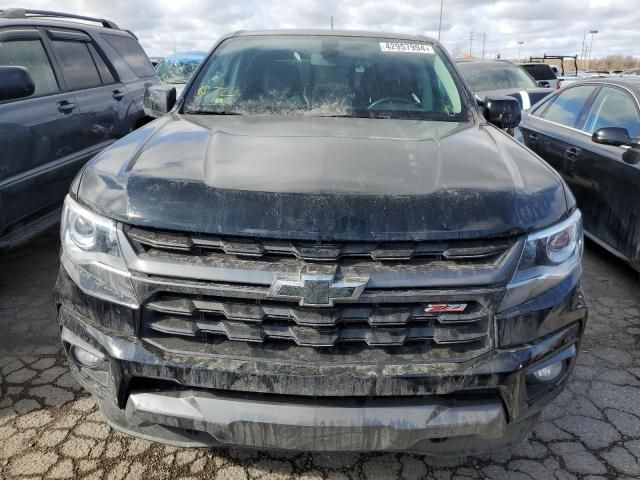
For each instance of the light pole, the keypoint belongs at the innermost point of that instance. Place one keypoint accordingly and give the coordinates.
(593, 34)
(484, 40)
(440, 24)
(520, 43)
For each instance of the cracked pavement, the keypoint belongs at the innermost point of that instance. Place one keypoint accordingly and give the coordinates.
(51, 428)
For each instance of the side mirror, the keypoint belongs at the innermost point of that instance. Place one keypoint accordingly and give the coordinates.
(502, 111)
(15, 82)
(544, 84)
(632, 154)
(615, 136)
(158, 100)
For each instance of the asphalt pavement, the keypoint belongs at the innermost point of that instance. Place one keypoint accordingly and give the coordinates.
(51, 428)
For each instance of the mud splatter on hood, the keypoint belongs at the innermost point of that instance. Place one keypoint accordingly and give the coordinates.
(323, 178)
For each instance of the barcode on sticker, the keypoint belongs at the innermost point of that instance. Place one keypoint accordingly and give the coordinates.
(404, 47)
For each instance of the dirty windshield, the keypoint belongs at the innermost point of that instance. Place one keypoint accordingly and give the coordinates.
(327, 76)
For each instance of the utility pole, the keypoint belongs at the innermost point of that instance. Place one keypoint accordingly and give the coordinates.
(440, 24)
(586, 54)
(470, 42)
(582, 52)
(520, 43)
(484, 38)
(593, 34)
(331, 22)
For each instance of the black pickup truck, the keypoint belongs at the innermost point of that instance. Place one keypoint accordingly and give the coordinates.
(324, 245)
(70, 86)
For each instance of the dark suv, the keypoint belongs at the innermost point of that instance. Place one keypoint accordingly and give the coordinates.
(543, 74)
(323, 246)
(68, 89)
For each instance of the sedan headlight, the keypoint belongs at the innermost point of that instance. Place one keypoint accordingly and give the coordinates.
(91, 255)
(548, 258)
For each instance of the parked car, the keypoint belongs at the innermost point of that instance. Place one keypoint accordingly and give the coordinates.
(597, 73)
(565, 76)
(322, 246)
(501, 77)
(631, 71)
(176, 69)
(543, 74)
(589, 133)
(68, 89)
(570, 79)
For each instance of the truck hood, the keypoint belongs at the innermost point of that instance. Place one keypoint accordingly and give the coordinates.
(323, 179)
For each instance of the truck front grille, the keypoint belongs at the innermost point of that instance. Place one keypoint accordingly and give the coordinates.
(260, 329)
(203, 319)
(193, 244)
(205, 295)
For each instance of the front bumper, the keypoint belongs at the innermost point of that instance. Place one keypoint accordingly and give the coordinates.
(438, 427)
(442, 408)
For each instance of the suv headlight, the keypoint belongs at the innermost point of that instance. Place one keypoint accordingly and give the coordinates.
(548, 258)
(91, 255)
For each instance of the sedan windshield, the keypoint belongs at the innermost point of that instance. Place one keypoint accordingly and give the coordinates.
(483, 77)
(327, 76)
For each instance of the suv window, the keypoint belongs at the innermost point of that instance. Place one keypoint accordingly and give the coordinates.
(77, 65)
(131, 52)
(613, 108)
(566, 107)
(103, 70)
(31, 55)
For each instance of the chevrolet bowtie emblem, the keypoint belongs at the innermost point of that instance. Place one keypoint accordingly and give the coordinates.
(317, 290)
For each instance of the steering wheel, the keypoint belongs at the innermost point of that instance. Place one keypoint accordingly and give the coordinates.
(391, 100)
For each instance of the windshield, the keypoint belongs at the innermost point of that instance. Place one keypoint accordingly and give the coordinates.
(540, 72)
(326, 76)
(484, 77)
(177, 70)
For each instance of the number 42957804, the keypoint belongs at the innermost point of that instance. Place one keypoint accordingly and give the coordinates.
(404, 47)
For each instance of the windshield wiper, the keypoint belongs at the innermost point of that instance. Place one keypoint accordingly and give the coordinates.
(355, 115)
(212, 112)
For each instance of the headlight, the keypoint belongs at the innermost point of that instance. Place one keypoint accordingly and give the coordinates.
(548, 258)
(91, 255)
(83, 231)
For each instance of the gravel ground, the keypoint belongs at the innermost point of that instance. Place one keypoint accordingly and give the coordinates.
(50, 428)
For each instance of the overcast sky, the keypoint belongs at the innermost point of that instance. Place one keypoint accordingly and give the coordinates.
(546, 26)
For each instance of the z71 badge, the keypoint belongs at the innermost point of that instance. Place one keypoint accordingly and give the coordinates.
(445, 308)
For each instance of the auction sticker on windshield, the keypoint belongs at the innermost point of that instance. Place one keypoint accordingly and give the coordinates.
(404, 47)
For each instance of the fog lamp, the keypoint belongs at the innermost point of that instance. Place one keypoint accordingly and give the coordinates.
(549, 373)
(86, 358)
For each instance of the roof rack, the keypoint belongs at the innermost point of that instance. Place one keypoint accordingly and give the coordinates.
(24, 13)
(557, 57)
